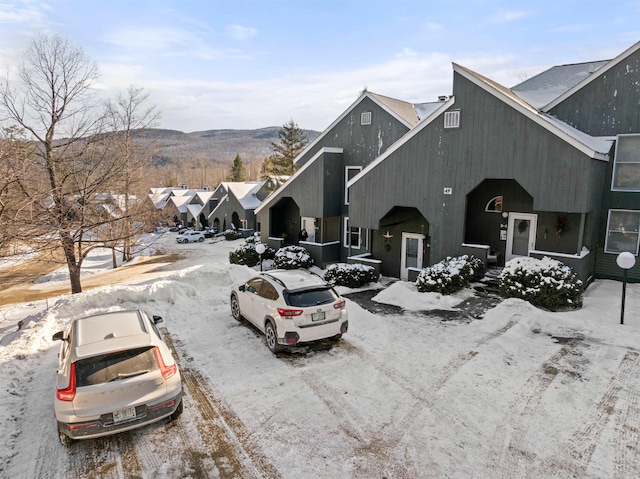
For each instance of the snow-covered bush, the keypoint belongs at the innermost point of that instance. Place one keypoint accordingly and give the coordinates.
(545, 283)
(231, 235)
(350, 275)
(450, 275)
(292, 257)
(246, 254)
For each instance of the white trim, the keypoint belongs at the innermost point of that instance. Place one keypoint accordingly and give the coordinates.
(276, 194)
(365, 118)
(530, 112)
(416, 129)
(606, 236)
(404, 269)
(531, 241)
(452, 119)
(604, 69)
(346, 238)
(346, 181)
(344, 115)
(614, 172)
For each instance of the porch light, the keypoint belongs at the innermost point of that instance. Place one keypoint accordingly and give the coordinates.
(260, 249)
(626, 261)
(387, 235)
(505, 215)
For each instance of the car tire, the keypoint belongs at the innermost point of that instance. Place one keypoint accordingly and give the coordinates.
(271, 337)
(201, 239)
(177, 413)
(65, 440)
(235, 307)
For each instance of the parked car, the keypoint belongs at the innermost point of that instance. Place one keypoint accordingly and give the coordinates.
(190, 236)
(210, 232)
(290, 307)
(182, 229)
(115, 373)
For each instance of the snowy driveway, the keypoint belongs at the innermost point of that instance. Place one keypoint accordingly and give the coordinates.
(520, 393)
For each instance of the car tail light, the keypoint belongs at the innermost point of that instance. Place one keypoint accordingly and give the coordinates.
(340, 304)
(167, 371)
(289, 313)
(75, 427)
(69, 393)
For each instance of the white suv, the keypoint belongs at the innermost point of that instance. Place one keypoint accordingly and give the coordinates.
(115, 373)
(190, 236)
(290, 307)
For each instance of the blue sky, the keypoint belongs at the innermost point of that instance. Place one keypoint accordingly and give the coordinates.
(256, 63)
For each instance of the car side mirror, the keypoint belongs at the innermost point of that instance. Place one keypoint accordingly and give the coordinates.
(241, 288)
(59, 336)
(157, 319)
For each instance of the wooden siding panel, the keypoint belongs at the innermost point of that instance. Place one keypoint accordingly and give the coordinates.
(493, 141)
(609, 104)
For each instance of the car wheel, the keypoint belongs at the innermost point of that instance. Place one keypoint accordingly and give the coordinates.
(235, 308)
(201, 239)
(176, 414)
(271, 336)
(65, 440)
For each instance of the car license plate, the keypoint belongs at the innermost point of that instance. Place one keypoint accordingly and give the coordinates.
(124, 415)
(317, 316)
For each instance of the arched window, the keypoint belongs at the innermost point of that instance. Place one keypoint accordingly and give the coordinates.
(494, 205)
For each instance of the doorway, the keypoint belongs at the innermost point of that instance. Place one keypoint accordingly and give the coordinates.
(412, 256)
(521, 234)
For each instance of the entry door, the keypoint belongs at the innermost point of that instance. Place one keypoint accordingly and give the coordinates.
(521, 234)
(411, 253)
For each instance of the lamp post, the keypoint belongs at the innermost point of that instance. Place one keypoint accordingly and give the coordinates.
(260, 249)
(626, 261)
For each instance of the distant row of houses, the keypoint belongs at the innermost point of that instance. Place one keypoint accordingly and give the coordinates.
(230, 205)
(550, 167)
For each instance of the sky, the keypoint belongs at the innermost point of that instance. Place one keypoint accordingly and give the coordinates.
(521, 392)
(245, 64)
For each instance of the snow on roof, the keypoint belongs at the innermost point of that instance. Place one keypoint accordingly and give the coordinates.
(204, 196)
(180, 202)
(423, 110)
(595, 147)
(545, 87)
(194, 209)
(245, 193)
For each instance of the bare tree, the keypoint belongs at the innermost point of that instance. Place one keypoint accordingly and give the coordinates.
(129, 112)
(53, 101)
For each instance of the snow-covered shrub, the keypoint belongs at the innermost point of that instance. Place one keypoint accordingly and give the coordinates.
(246, 254)
(450, 275)
(350, 275)
(231, 235)
(292, 257)
(545, 283)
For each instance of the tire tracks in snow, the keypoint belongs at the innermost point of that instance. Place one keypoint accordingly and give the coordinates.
(380, 447)
(508, 444)
(225, 441)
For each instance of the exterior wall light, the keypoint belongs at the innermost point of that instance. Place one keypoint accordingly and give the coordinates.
(626, 261)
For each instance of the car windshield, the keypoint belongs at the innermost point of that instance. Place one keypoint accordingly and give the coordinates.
(313, 297)
(114, 366)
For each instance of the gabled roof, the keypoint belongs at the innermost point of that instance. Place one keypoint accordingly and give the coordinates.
(595, 147)
(204, 196)
(601, 71)
(243, 191)
(180, 202)
(545, 87)
(320, 152)
(397, 108)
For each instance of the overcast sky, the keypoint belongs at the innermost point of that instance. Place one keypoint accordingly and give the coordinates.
(240, 64)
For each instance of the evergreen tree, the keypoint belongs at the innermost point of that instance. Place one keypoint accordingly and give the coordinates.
(292, 141)
(237, 170)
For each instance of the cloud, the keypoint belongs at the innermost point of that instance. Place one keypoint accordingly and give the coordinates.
(240, 32)
(28, 14)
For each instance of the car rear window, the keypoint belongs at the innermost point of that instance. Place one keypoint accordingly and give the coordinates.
(115, 366)
(313, 297)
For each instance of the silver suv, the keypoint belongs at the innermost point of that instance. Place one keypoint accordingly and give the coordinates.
(115, 373)
(290, 307)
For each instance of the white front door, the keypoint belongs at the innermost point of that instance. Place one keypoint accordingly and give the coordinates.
(411, 253)
(521, 234)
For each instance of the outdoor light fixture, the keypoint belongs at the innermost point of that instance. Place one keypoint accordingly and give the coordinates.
(387, 235)
(626, 261)
(505, 215)
(260, 249)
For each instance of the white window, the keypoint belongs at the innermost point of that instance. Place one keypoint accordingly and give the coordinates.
(365, 118)
(452, 119)
(352, 236)
(494, 205)
(309, 225)
(623, 231)
(626, 169)
(349, 173)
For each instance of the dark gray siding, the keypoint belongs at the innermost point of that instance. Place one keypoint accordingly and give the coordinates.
(361, 143)
(609, 105)
(494, 141)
